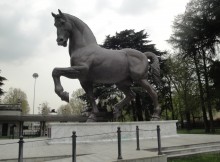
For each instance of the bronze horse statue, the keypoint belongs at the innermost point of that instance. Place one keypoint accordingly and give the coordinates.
(91, 64)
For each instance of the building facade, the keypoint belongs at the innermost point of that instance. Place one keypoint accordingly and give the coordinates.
(9, 128)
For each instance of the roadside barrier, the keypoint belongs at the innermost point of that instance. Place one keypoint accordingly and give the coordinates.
(74, 139)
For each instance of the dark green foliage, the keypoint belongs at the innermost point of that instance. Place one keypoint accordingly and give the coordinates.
(107, 95)
(214, 74)
(130, 39)
(2, 79)
(215, 89)
(126, 39)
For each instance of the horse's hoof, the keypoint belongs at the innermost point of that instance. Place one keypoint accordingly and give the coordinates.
(65, 96)
(92, 118)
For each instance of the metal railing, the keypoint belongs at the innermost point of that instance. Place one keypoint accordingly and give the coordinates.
(74, 138)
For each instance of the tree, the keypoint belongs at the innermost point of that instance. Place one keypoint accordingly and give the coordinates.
(206, 19)
(184, 38)
(64, 110)
(181, 75)
(45, 109)
(2, 79)
(14, 95)
(75, 106)
(208, 35)
(107, 96)
(76, 103)
(196, 33)
(130, 39)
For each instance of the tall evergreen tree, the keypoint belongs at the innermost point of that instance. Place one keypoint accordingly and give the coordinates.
(130, 39)
(2, 79)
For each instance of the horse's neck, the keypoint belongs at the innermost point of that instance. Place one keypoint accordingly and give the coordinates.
(75, 44)
(81, 36)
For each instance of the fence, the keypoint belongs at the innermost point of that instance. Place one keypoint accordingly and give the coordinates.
(74, 138)
(15, 134)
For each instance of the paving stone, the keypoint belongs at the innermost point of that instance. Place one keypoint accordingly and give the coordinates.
(96, 152)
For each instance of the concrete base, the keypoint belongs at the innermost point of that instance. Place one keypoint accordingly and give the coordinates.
(105, 132)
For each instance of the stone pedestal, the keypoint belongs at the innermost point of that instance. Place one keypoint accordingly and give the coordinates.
(106, 132)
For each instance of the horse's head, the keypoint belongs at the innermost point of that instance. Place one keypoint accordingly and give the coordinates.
(63, 28)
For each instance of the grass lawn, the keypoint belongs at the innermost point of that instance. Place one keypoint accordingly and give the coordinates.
(211, 157)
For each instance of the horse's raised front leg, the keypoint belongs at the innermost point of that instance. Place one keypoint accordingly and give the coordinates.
(146, 85)
(70, 72)
(129, 95)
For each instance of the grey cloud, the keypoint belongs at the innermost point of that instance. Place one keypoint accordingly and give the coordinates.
(128, 7)
(135, 7)
(16, 44)
(102, 5)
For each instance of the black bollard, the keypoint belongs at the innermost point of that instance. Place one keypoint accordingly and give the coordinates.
(159, 140)
(137, 138)
(119, 143)
(74, 146)
(20, 151)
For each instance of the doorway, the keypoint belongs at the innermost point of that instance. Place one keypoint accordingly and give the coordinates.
(4, 129)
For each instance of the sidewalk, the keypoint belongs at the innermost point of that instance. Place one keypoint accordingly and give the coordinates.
(95, 152)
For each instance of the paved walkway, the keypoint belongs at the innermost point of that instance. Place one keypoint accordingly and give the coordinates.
(95, 152)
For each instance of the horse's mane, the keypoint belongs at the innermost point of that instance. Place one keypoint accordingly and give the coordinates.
(82, 27)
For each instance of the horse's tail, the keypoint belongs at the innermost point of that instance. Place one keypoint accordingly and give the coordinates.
(154, 67)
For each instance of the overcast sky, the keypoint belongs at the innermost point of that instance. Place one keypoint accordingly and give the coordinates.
(28, 37)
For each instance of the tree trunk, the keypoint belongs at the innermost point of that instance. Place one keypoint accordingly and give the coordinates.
(138, 107)
(187, 111)
(134, 111)
(147, 114)
(171, 101)
(201, 94)
(181, 120)
(166, 110)
(207, 92)
(193, 120)
(188, 124)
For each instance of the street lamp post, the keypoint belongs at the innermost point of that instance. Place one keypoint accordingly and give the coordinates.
(35, 76)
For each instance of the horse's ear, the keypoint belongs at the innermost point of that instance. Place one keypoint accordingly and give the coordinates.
(61, 14)
(54, 15)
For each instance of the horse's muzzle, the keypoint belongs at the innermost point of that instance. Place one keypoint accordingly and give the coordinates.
(61, 42)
